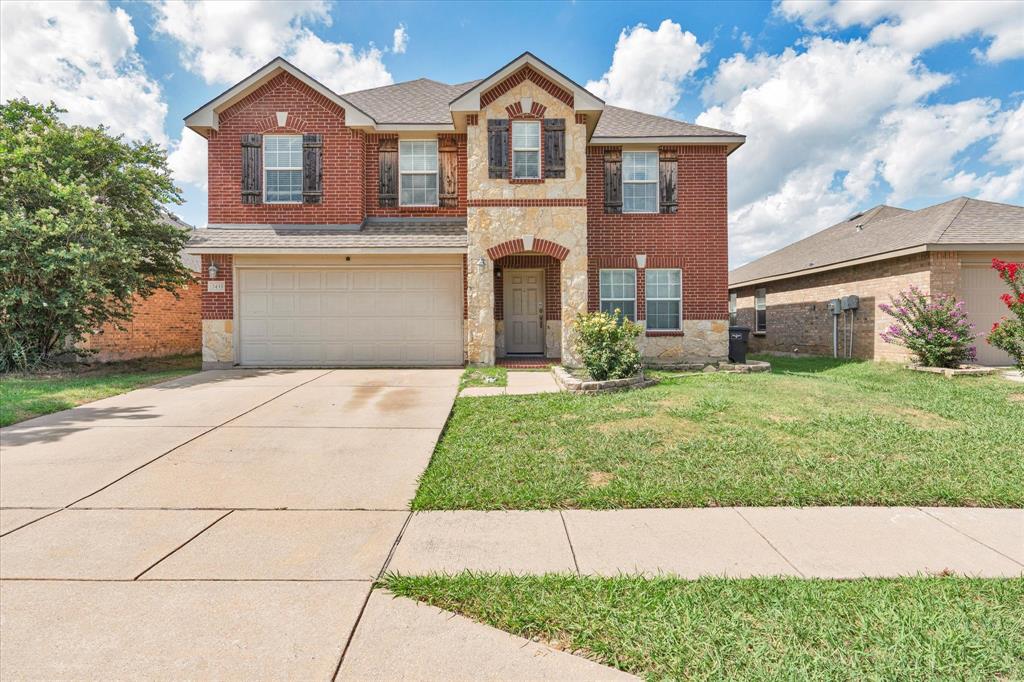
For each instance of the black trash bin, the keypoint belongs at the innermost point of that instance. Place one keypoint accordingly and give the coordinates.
(738, 337)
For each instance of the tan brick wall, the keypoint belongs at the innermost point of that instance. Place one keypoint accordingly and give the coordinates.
(798, 320)
(161, 325)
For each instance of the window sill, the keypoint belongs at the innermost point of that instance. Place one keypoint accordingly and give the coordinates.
(664, 332)
(759, 333)
(418, 205)
(526, 181)
(282, 203)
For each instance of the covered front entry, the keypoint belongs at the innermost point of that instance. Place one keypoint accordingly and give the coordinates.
(350, 314)
(524, 311)
(527, 306)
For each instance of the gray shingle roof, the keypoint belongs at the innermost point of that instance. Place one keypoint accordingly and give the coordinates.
(885, 229)
(419, 101)
(619, 122)
(373, 235)
(425, 101)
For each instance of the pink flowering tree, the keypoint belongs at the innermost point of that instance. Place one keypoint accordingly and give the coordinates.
(933, 328)
(1008, 334)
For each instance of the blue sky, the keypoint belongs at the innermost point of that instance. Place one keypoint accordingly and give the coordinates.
(845, 104)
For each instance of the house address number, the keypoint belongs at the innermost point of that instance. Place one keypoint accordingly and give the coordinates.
(215, 286)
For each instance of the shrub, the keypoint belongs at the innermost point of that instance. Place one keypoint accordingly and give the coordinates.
(1008, 334)
(933, 328)
(607, 345)
(82, 231)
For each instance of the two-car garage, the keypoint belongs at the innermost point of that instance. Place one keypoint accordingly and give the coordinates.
(349, 313)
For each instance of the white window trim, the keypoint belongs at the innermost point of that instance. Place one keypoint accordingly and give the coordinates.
(437, 174)
(648, 297)
(267, 169)
(602, 299)
(527, 149)
(763, 306)
(656, 182)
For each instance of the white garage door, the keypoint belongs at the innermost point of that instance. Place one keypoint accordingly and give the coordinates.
(981, 289)
(396, 316)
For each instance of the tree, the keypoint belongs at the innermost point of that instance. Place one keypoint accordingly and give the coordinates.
(82, 231)
(1008, 334)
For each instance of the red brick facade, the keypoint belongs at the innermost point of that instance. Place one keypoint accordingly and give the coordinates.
(308, 112)
(218, 306)
(161, 325)
(695, 239)
(371, 172)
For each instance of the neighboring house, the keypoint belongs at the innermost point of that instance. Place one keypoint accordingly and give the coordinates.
(163, 324)
(943, 249)
(431, 224)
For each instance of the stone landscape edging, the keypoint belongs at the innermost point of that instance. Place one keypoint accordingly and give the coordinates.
(567, 382)
(949, 372)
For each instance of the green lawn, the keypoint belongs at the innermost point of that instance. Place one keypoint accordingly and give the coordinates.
(483, 376)
(756, 629)
(23, 396)
(813, 432)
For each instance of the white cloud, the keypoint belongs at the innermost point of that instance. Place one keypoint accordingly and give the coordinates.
(82, 56)
(915, 26)
(400, 41)
(188, 159)
(649, 67)
(832, 124)
(223, 42)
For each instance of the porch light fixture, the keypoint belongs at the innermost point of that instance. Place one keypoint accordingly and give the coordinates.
(213, 271)
(481, 264)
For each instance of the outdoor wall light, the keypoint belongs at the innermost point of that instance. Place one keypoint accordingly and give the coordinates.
(481, 264)
(213, 271)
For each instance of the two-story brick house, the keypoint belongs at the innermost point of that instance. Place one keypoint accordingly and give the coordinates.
(430, 224)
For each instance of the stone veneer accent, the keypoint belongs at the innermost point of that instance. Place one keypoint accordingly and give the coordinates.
(490, 225)
(218, 343)
(703, 341)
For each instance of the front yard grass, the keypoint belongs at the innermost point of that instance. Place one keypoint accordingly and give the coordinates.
(813, 432)
(755, 629)
(23, 396)
(483, 376)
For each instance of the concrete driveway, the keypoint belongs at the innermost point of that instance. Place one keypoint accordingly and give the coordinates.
(223, 525)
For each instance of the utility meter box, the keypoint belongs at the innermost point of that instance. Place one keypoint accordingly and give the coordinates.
(835, 306)
(850, 302)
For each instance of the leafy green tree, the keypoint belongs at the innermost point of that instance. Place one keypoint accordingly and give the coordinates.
(82, 231)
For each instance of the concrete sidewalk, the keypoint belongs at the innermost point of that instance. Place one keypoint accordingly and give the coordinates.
(812, 542)
(519, 383)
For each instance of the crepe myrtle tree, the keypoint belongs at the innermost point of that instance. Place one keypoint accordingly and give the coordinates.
(1008, 333)
(83, 231)
(933, 328)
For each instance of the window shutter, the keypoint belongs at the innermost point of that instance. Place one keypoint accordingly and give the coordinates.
(497, 148)
(613, 181)
(312, 169)
(668, 170)
(554, 147)
(387, 193)
(448, 170)
(252, 168)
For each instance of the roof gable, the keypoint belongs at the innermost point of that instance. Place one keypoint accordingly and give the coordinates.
(208, 115)
(473, 98)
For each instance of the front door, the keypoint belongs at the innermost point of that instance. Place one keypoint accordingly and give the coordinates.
(524, 311)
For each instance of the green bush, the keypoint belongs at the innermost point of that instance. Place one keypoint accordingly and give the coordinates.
(83, 230)
(607, 345)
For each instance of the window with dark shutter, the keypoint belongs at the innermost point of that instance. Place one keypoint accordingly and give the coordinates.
(252, 168)
(668, 170)
(448, 170)
(613, 181)
(554, 147)
(497, 148)
(387, 193)
(312, 169)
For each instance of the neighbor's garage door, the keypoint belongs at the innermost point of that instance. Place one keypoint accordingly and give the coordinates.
(398, 316)
(981, 288)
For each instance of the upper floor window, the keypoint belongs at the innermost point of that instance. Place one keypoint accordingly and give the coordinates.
(618, 292)
(417, 178)
(664, 299)
(526, 150)
(639, 182)
(760, 311)
(282, 168)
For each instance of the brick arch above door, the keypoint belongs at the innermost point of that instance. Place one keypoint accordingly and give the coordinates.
(543, 247)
